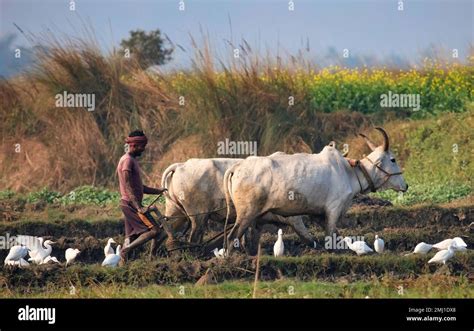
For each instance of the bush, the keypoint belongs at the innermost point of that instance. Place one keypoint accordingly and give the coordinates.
(44, 195)
(7, 194)
(90, 195)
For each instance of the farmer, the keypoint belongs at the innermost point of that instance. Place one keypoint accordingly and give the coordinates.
(140, 227)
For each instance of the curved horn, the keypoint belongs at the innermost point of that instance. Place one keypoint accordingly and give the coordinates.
(385, 137)
(369, 142)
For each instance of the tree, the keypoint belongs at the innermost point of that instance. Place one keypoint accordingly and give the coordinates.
(147, 48)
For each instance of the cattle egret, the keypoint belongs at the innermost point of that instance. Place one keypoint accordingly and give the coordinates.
(442, 245)
(360, 247)
(459, 243)
(108, 248)
(16, 253)
(444, 255)
(422, 248)
(50, 259)
(112, 260)
(221, 253)
(34, 244)
(71, 254)
(379, 244)
(279, 247)
(42, 252)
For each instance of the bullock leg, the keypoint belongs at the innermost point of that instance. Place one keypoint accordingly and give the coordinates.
(251, 238)
(179, 226)
(231, 236)
(331, 230)
(197, 225)
(296, 222)
(331, 222)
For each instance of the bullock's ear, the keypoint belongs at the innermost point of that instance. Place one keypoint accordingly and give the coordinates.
(369, 142)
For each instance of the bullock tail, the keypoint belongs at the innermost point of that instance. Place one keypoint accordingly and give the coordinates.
(167, 174)
(228, 199)
(165, 182)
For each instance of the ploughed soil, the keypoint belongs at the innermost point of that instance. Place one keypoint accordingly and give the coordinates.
(88, 229)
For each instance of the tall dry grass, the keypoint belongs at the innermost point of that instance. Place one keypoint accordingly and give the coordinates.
(245, 98)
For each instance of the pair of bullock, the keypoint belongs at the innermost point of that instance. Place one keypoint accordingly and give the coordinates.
(279, 188)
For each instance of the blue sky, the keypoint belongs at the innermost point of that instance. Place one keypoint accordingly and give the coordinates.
(374, 28)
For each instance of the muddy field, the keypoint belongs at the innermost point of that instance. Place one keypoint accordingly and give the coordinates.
(401, 228)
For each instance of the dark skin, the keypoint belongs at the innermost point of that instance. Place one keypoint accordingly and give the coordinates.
(136, 151)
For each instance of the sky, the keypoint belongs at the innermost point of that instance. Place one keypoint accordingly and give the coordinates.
(373, 28)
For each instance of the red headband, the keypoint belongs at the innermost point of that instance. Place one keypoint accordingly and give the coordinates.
(137, 140)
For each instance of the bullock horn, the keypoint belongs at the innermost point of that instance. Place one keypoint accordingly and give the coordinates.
(385, 137)
(369, 142)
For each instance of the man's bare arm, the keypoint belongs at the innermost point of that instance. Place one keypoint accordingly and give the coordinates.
(151, 190)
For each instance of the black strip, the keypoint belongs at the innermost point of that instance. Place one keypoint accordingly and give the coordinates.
(223, 314)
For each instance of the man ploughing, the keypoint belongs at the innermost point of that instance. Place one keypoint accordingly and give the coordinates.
(140, 226)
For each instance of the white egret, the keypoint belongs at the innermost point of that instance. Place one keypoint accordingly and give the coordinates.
(112, 260)
(360, 247)
(379, 244)
(71, 254)
(42, 253)
(221, 253)
(444, 255)
(16, 253)
(279, 247)
(460, 244)
(108, 248)
(421, 248)
(34, 244)
(50, 259)
(442, 245)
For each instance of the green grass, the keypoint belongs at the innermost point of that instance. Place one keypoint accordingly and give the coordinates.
(437, 159)
(384, 287)
(83, 195)
(432, 193)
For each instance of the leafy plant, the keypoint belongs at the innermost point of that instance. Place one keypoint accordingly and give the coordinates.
(44, 195)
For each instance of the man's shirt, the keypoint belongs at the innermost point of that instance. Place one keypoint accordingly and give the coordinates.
(129, 163)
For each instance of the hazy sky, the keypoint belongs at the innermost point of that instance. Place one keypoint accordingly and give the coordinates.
(373, 28)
